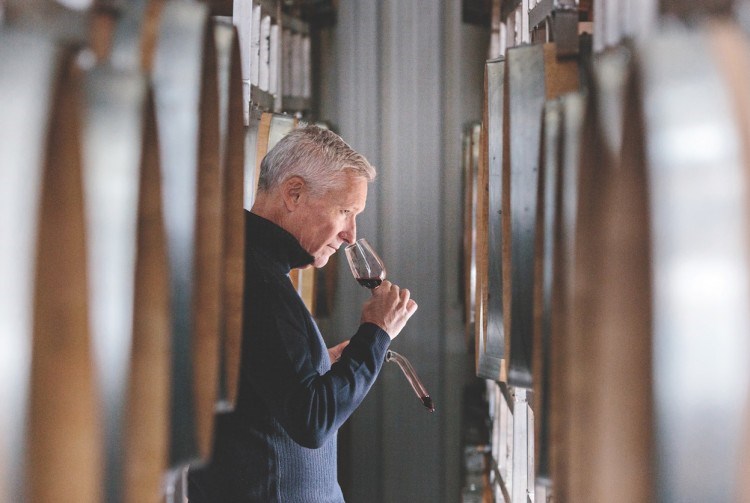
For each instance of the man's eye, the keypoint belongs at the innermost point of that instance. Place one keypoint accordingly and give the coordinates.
(346, 212)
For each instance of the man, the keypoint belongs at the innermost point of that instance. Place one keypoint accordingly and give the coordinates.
(279, 444)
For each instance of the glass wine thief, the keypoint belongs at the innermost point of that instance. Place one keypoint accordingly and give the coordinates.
(369, 271)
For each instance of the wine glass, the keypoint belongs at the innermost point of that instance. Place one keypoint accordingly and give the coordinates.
(369, 271)
(366, 266)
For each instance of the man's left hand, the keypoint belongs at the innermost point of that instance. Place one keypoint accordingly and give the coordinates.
(335, 352)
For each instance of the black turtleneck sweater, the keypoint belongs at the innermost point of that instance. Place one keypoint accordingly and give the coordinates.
(279, 444)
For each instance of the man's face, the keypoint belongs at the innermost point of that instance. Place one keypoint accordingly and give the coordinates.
(324, 223)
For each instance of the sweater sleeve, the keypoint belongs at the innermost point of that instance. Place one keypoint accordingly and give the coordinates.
(309, 405)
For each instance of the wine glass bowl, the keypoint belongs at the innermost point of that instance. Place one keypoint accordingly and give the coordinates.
(367, 267)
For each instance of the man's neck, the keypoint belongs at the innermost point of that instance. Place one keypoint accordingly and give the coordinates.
(271, 208)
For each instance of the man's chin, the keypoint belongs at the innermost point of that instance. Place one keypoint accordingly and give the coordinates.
(321, 261)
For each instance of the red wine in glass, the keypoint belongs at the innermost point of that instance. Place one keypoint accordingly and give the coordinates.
(369, 282)
(367, 267)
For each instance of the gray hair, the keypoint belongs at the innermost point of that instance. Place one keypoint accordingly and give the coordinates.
(316, 155)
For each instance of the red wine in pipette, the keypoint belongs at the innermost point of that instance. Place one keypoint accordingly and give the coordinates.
(370, 282)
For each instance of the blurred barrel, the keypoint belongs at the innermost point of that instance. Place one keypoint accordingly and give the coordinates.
(556, 399)
(608, 348)
(535, 75)
(50, 424)
(731, 48)
(232, 143)
(127, 269)
(693, 91)
(111, 145)
(187, 112)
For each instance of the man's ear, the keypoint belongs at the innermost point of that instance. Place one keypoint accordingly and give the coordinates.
(292, 191)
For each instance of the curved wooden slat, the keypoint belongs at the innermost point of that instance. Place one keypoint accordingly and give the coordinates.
(27, 83)
(64, 436)
(147, 414)
(233, 161)
(557, 397)
(206, 345)
(619, 323)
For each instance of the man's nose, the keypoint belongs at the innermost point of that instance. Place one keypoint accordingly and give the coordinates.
(350, 232)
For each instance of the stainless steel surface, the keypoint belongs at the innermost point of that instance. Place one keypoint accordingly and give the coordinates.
(491, 358)
(177, 83)
(526, 94)
(698, 194)
(561, 19)
(540, 12)
(55, 19)
(112, 145)
(565, 31)
(29, 64)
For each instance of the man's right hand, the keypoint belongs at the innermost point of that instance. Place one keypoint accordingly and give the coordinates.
(390, 307)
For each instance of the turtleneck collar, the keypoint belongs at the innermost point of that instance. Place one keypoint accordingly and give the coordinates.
(279, 244)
